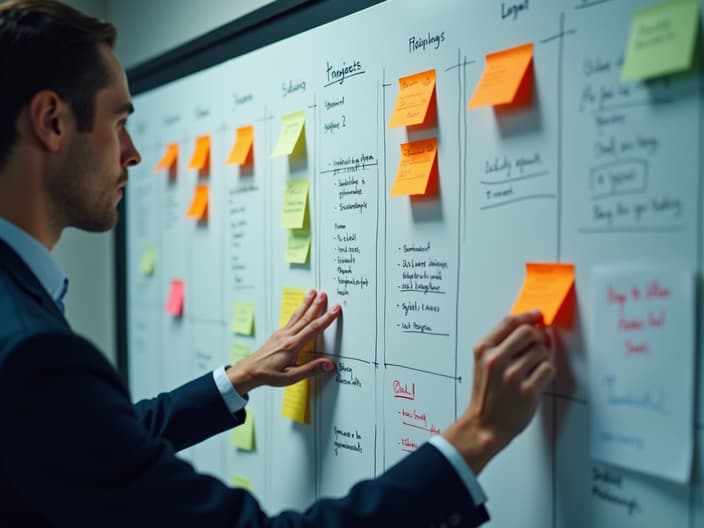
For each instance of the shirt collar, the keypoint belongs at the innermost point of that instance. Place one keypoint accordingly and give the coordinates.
(37, 259)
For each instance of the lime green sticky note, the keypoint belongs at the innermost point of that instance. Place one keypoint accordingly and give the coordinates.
(243, 318)
(298, 247)
(240, 481)
(662, 40)
(238, 352)
(291, 127)
(295, 203)
(242, 436)
(148, 263)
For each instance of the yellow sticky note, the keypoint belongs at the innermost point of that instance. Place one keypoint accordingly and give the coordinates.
(415, 167)
(243, 318)
(291, 128)
(242, 436)
(242, 148)
(291, 299)
(661, 40)
(148, 263)
(502, 77)
(240, 481)
(545, 287)
(295, 404)
(169, 158)
(199, 205)
(238, 352)
(414, 96)
(295, 203)
(298, 247)
(201, 154)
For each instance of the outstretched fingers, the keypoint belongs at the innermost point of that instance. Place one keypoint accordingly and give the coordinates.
(308, 301)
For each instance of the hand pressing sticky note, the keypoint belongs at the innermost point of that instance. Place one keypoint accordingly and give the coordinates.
(291, 127)
(414, 99)
(169, 158)
(295, 403)
(238, 352)
(242, 149)
(201, 154)
(662, 40)
(418, 161)
(199, 205)
(242, 436)
(148, 263)
(240, 481)
(295, 203)
(298, 247)
(291, 299)
(503, 79)
(545, 287)
(174, 303)
(243, 318)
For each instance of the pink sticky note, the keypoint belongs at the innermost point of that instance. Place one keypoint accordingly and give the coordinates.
(174, 304)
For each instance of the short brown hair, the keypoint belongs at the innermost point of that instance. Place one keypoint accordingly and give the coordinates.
(47, 45)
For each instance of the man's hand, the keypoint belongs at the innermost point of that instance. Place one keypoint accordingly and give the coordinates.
(276, 362)
(512, 367)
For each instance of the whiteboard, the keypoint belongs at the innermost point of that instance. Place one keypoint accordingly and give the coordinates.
(478, 240)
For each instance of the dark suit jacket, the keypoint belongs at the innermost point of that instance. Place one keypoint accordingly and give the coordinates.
(75, 452)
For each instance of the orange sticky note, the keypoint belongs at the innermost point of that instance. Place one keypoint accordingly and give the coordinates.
(169, 158)
(174, 304)
(201, 154)
(418, 160)
(502, 77)
(199, 204)
(242, 147)
(414, 96)
(545, 287)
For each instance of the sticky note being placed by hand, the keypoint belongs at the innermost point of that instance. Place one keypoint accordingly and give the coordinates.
(662, 40)
(545, 287)
(240, 481)
(418, 160)
(295, 203)
(201, 154)
(148, 263)
(242, 436)
(502, 77)
(291, 299)
(413, 100)
(291, 128)
(243, 318)
(298, 247)
(241, 150)
(169, 158)
(295, 403)
(199, 204)
(174, 303)
(238, 352)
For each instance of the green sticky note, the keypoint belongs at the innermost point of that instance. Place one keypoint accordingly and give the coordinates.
(242, 436)
(295, 203)
(238, 352)
(240, 481)
(662, 40)
(148, 263)
(291, 127)
(243, 318)
(298, 247)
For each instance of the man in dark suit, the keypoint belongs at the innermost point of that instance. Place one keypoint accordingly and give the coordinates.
(73, 450)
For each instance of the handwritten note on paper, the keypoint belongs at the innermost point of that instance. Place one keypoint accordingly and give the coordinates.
(201, 154)
(174, 303)
(147, 264)
(243, 318)
(199, 205)
(291, 127)
(418, 160)
(413, 101)
(641, 381)
(242, 149)
(298, 247)
(238, 352)
(240, 481)
(169, 158)
(545, 287)
(662, 40)
(502, 77)
(242, 436)
(295, 203)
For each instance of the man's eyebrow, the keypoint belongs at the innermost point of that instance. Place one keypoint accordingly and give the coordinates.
(126, 108)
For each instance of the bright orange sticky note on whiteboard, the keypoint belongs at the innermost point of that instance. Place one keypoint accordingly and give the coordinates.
(418, 160)
(174, 303)
(201, 154)
(199, 204)
(545, 287)
(502, 77)
(414, 97)
(169, 158)
(242, 147)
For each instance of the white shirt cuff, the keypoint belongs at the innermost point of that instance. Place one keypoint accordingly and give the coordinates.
(461, 467)
(232, 399)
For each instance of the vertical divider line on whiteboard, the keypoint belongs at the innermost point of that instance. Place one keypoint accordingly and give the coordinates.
(381, 192)
(267, 214)
(317, 386)
(377, 397)
(460, 215)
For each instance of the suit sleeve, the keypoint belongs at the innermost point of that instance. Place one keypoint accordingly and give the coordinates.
(76, 452)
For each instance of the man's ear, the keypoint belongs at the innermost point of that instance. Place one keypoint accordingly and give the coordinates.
(49, 119)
